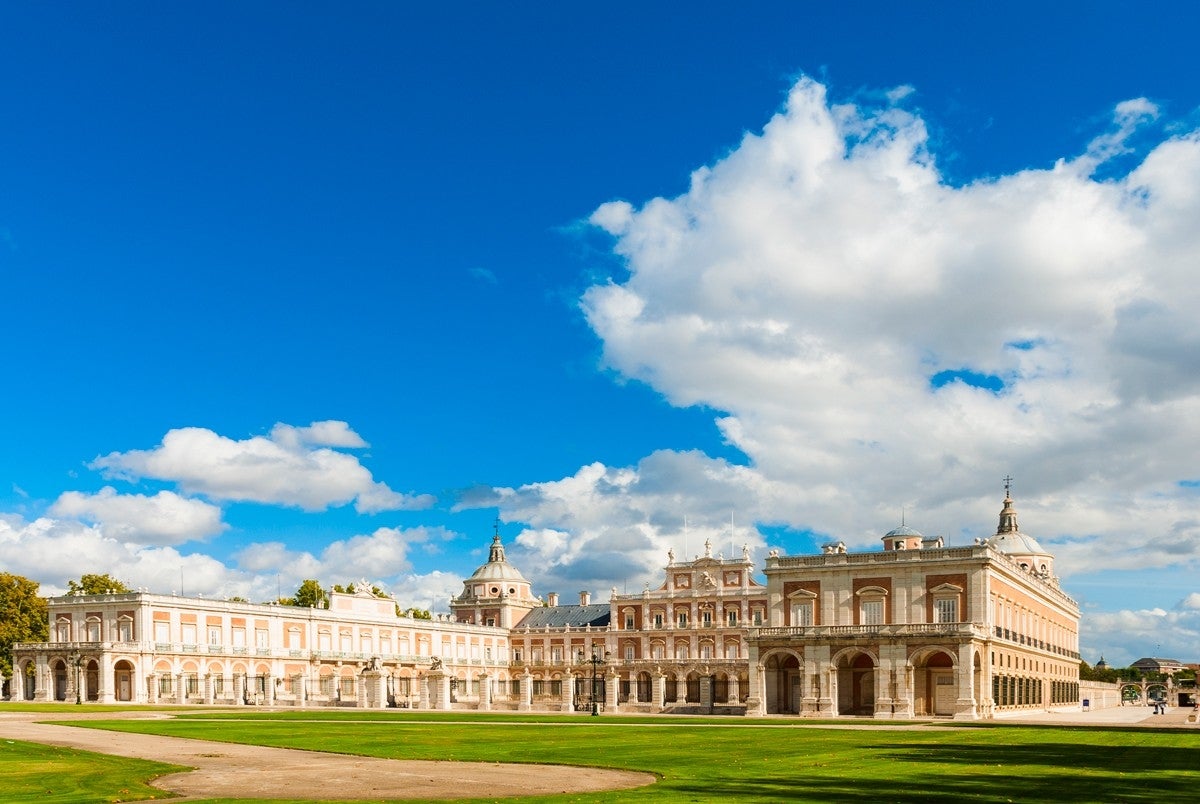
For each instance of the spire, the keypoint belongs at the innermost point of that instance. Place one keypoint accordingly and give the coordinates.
(1008, 514)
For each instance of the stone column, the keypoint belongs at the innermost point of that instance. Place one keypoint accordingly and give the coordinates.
(443, 693)
(485, 692)
(735, 690)
(567, 702)
(180, 689)
(526, 702)
(883, 683)
(104, 679)
(208, 688)
(633, 687)
(612, 691)
(300, 680)
(902, 703)
(681, 687)
(964, 707)
(706, 693)
(418, 692)
(658, 689)
(271, 689)
(239, 690)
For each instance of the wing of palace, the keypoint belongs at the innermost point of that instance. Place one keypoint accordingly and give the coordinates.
(916, 629)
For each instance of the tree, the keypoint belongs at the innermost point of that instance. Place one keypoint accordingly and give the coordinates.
(90, 584)
(414, 612)
(23, 616)
(311, 595)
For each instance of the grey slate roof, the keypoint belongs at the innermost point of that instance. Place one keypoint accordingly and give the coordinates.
(595, 615)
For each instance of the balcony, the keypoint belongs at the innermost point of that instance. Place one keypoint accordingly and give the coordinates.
(872, 631)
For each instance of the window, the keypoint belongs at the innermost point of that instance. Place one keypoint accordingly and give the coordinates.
(214, 635)
(125, 630)
(629, 621)
(706, 618)
(658, 620)
(682, 619)
(516, 654)
(946, 609)
(629, 657)
(93, 629)
(872, 612)
(556, 655)
(324, 641)
(239, 637)
(188, 633)
(871, 607)
(261, 639)
(731, 650)
(365, 643)
(63, 631)
(757, 617)
(731, 617)
(294, 638)
(162, 632)
(706, 651)
(802, 613)
(681, 651)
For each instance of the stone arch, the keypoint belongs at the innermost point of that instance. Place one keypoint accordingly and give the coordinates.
(856, 669)
(59, 671)
(123, 680)
(782, 680)
(935, 687)
(91, 680)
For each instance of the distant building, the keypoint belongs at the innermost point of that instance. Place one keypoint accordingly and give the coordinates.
(1153, 665)
(917, 629)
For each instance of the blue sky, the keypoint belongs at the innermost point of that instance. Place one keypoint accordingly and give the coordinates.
(302, 291)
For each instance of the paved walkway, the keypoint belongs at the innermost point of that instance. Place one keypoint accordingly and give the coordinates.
(1176, 717)
(229, 770)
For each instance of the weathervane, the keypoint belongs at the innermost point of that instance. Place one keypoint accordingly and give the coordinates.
(1007, 485)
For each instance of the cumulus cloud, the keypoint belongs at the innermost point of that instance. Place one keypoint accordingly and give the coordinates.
(164, 518)
(295, 466)
(609, 526)
(381, 557)
(52, 551)
(878, 340)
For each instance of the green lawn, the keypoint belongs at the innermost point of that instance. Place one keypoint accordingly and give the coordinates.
(749, 760)
(31, 772)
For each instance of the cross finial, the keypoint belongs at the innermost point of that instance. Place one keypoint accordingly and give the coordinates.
(496, 525)
(1007, 485)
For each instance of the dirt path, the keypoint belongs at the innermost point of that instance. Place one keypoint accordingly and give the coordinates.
(228, 770)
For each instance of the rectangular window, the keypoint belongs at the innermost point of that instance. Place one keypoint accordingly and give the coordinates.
(189, 634)
(731, 618)
(658, 621)
(872, 612)
(93, 631)
(628, 622)
(629, 653)
(239, 637)
(556, 655)
(947, 610)
(162, 632)
(683, 620)
(125, 631)
(802, 614)
(706, 619)
(757, 619)
(214, 635)
(261, 638)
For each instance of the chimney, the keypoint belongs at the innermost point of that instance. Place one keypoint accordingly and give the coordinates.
(552, 598)
(585, 598)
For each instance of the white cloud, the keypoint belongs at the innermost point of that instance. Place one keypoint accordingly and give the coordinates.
(293, 466)
(165, 518)
(813, 283)
(381, 557)
(53, 551)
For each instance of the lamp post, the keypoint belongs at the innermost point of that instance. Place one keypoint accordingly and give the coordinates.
(76, 661)
(595, 662)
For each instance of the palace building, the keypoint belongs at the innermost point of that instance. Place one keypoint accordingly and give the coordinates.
(917, 629)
